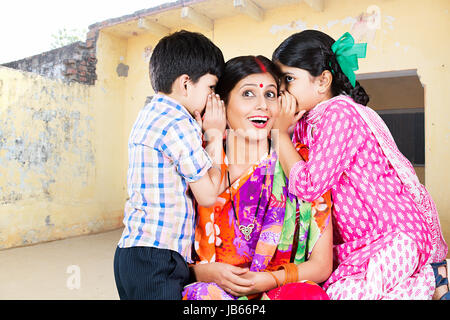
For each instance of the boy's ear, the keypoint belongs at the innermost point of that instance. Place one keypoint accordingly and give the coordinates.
(325, 80)
(181, 84)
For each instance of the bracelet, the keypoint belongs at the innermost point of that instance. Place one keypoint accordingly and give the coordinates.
(290, 273)
(276, 280)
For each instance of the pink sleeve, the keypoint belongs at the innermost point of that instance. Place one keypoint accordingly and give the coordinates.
(337, 139)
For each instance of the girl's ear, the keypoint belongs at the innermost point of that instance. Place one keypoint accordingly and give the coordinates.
(325, 80)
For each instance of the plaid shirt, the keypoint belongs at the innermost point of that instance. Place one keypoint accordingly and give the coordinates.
(165, 153)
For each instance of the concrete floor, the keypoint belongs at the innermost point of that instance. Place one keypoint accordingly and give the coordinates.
(70, 269)
(75, 268)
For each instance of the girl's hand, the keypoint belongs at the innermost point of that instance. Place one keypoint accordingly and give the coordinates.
(214, 120)
(287, 117)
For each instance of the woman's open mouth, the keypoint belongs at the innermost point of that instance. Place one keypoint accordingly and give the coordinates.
(259, 121)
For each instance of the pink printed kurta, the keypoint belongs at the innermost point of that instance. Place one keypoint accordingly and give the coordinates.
(373, 211)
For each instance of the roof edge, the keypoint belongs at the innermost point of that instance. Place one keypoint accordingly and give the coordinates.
(143, 13)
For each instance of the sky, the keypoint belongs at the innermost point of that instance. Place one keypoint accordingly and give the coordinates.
(27, 26)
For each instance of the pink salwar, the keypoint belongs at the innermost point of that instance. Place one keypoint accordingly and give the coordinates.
(390, 274)
(386, 228)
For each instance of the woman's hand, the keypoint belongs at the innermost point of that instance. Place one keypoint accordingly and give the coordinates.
(228, 277)
(263, 282)
(287, 117)
(239, 281)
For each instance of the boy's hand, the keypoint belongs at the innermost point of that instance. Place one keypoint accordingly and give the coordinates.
(214, 119)
(287, 118)
(206, 189)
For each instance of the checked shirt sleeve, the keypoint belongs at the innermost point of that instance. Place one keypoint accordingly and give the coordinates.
(182, 143)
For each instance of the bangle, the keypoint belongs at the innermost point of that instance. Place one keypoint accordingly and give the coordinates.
(276, 280)
(290, 272)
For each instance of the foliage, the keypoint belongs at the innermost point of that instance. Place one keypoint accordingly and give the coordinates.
(63, 37)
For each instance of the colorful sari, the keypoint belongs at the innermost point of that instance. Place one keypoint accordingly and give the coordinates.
(285, 230)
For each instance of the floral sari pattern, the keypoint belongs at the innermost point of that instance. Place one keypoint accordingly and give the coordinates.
(282, 225)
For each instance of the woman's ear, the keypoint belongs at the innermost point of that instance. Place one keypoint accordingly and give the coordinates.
(325, 80)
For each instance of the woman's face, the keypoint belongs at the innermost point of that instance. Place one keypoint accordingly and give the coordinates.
(252, 106)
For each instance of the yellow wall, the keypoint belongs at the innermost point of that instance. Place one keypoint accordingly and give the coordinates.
(81, 186)
(411, 36)
(108, 100)
(48, 161)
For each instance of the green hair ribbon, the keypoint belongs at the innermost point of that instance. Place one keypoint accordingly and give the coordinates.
(347, 53)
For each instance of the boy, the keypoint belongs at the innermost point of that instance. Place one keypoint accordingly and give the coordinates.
(165, 158)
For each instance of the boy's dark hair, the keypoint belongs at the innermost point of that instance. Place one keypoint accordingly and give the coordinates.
(310, 50)
(183, 52)
(238, 68)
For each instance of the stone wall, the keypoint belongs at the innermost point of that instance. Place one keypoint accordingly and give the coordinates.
(74, 62)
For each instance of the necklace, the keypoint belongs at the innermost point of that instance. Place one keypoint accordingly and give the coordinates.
(246, 229)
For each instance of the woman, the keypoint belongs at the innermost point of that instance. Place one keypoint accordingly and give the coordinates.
(258, 241)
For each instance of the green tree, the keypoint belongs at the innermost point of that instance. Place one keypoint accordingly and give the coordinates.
(63, 37)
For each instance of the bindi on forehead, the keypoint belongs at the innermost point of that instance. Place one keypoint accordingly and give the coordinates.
(261, 85)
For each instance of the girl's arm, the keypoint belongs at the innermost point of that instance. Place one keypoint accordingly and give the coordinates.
(287, 154)
(338, 138)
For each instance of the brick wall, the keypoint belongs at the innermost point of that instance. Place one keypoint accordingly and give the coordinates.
(74, 62)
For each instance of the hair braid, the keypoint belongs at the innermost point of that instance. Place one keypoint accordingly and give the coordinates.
(341, 84)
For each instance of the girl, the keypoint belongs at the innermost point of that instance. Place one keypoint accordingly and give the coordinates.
(386, 228)
(253, 242)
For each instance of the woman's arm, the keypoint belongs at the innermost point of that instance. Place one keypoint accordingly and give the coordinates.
(240, 282)
(317, 268)
(319, 265)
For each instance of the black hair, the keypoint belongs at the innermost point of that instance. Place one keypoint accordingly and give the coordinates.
(310, 50)
(183, 52)
(240, 67)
